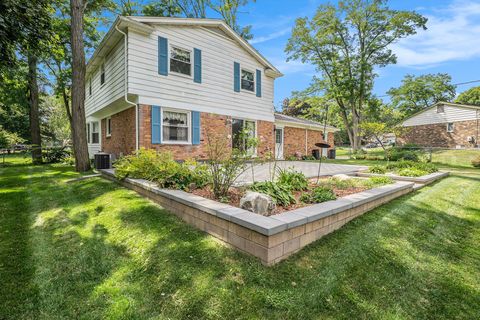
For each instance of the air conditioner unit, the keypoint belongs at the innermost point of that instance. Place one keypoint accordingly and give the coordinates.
(471, 139)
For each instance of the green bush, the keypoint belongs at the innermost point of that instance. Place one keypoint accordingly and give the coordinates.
(378, 169)
(318, 195)
(396, 154)
(308, 158)
(380, 181)
(476, 162)
(280, 193)
(294, 179)
(339, 183)
(55, 154)
(162, 169)
(369, 157)
(291, 158)
(411, 172)
(405, 164)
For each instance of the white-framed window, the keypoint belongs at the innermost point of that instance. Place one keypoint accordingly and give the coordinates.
(241, 130)
(108, 124)
(450, 127)
(95, 132)
(181, 61)
(441, 108)
(176, 126)
(88, 133)
(89, 87)
(248, 80)
(102, 74)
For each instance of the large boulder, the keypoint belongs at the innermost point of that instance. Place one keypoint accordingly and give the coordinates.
(258, 203)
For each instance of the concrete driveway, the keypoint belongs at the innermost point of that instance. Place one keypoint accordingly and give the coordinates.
(263, 172)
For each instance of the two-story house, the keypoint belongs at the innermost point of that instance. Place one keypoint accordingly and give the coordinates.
(166, 83)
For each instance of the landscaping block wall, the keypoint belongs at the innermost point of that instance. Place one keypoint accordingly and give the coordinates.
(436, 135)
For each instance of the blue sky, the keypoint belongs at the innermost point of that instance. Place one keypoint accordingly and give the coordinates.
(451, 44)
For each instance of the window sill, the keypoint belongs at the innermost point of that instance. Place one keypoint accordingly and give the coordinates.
(108, 136)
(248, 91)
(181, 75)
(180, 143)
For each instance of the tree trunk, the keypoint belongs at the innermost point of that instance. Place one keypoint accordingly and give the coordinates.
(34, 112)
(79, 134)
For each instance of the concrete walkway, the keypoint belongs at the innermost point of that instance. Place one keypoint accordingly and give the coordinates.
(263, 172)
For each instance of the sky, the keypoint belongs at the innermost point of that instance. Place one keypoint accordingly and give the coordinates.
(451, 44)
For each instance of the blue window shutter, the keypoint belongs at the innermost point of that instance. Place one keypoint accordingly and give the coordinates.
(163, 56)
(156, 125)
(236, 77)
(259, 83)
(195, 127)
(197, 65)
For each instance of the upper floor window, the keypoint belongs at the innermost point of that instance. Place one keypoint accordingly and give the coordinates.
(108, 127)
(176, 126)
(102, 74)
(450, 127)
(440, 108)
(90, 86)
(248, 82)
(180, 61)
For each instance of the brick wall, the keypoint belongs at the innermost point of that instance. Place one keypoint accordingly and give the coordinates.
(296, 138)
(436, 135)
(266, 137)
(122, 139)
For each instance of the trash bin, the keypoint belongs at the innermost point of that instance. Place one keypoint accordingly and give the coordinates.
(102, 161)
(316, 154)
(331, 154)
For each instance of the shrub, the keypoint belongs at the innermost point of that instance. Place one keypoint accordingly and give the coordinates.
(291, 158)
(55, 154)
(308, 158)
(411, 172)
(338, 183)
(396, 154)
(318, 195)
(280, 193)
(295, 180)
(162, 169)
(378, 169)
(379, 181)
(368, 157)
(428, 167)
(405, 164)
(476, 162)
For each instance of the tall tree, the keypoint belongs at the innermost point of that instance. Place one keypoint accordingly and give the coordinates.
(471, 96)
(79, 135)
(417, 93)
(228, 9)
(34, 109)
(163, 8)
(346, 42)
(193, 8)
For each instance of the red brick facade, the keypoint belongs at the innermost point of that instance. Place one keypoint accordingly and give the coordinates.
(436, 135)
(122, 139)
(298, 140)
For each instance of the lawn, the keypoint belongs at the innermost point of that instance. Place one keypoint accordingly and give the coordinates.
(93, 250)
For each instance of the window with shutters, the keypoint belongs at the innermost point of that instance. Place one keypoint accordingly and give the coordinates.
(176, 127)
(180, 61)
(248, 80)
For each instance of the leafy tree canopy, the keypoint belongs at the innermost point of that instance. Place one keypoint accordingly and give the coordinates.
(417, 93)
(346, 42)
(471, 96)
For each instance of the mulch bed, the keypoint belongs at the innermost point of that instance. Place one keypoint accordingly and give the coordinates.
(235, 194)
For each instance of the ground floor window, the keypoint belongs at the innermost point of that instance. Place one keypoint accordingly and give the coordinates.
(88, 132)
(242, 131)
(176, 126)
(450, 127)
(109, 126)
(95, 132)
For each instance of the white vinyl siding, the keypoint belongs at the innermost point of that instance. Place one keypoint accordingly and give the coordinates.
(215, 94)
(114, 86)
(450, 114)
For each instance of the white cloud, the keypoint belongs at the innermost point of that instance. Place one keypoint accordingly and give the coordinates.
(271, 36)
(452, 34)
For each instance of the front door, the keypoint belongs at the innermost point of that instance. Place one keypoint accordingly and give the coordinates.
(278, 143)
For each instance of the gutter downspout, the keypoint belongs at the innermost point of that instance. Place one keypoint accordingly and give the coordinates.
(125, 49)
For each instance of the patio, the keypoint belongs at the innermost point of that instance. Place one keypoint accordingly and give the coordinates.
(262, 172)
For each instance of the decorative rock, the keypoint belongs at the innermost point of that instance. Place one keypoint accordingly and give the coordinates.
(258, 203)
(341, 176)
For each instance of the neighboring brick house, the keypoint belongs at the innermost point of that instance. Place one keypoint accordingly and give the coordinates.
(170, 83)
(443, 125)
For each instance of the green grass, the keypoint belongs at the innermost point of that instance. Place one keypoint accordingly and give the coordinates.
(94, 250)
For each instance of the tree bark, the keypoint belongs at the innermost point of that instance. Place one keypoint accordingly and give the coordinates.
(79, 134)
(34, 112)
